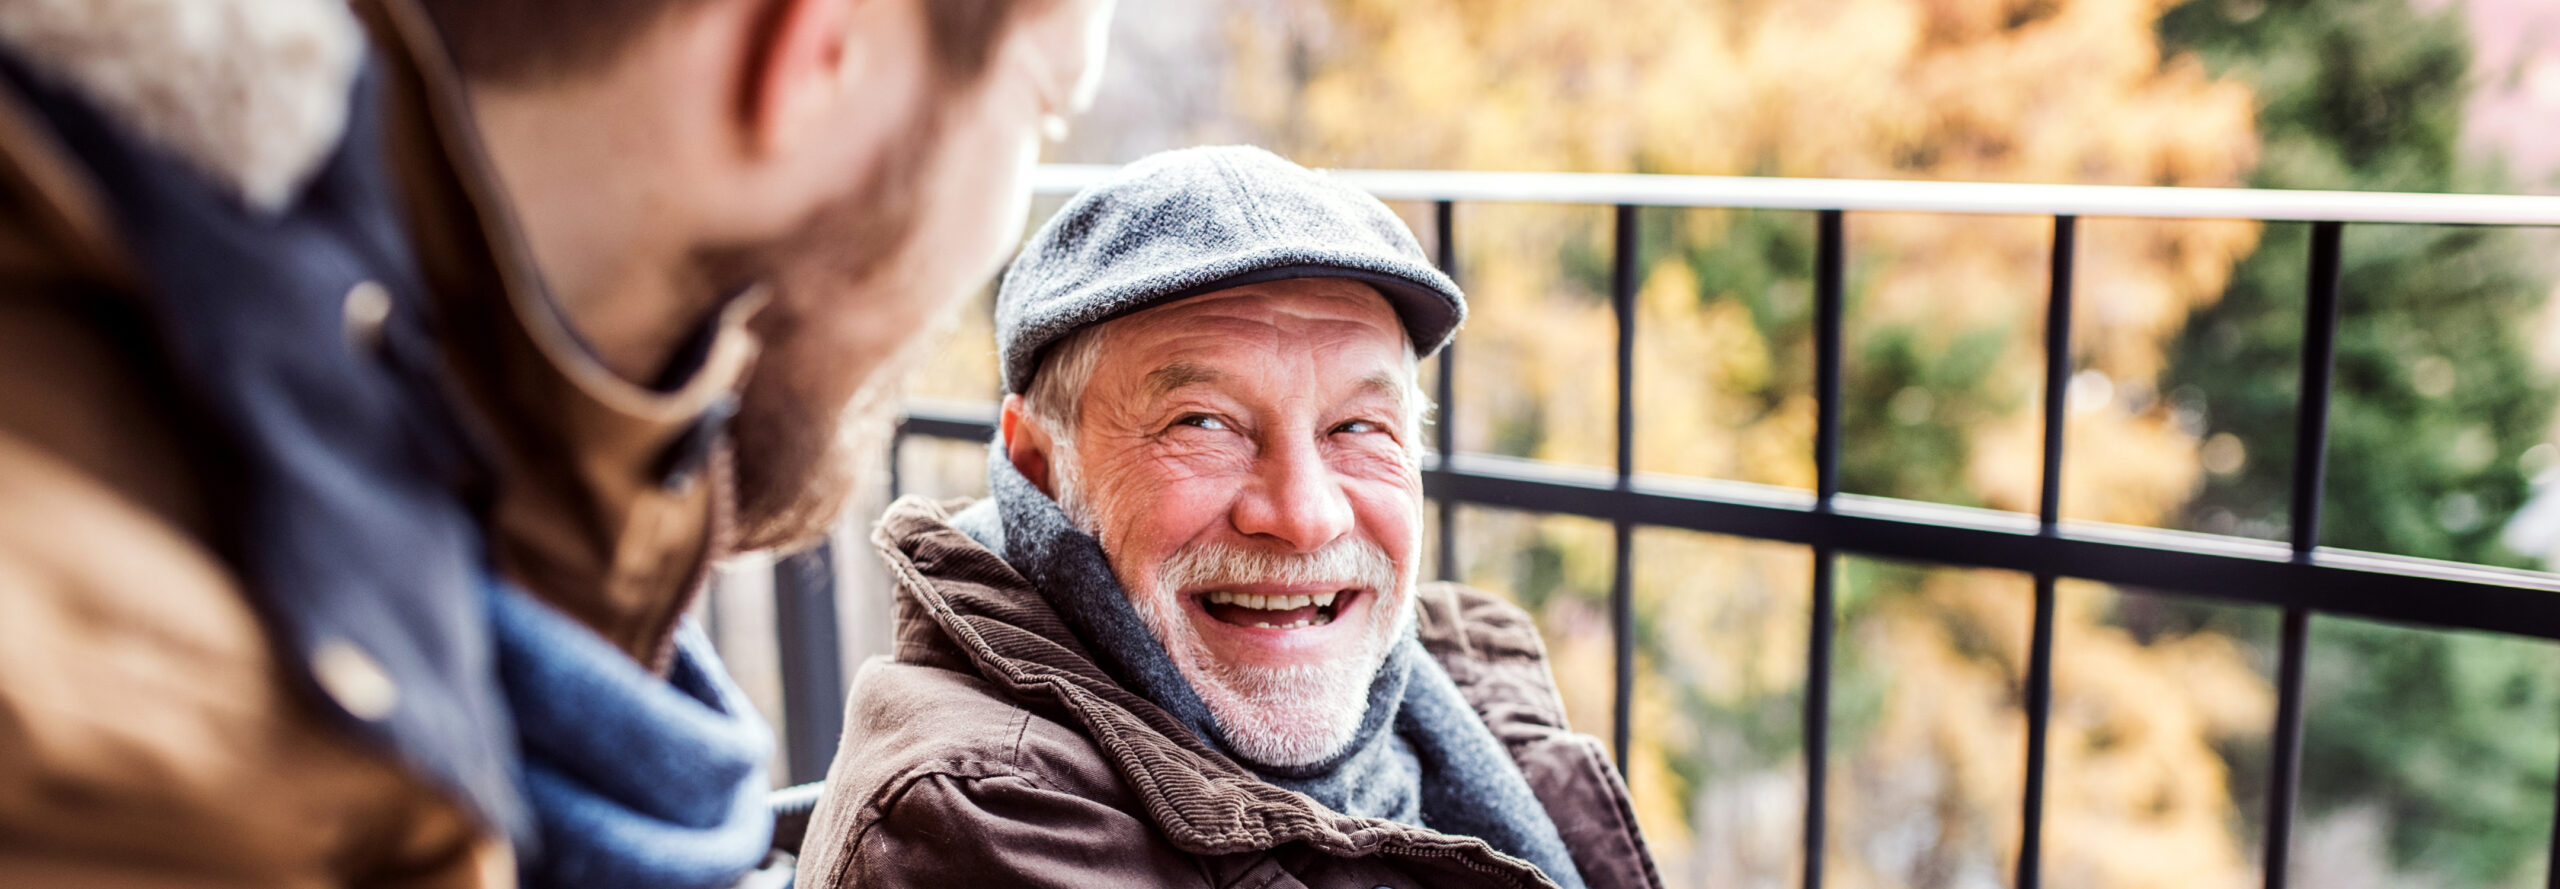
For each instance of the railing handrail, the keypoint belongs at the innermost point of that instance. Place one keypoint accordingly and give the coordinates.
(1893, 195)
(2299, 577)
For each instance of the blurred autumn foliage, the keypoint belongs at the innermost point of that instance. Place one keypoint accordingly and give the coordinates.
(1943, 384)
(2160, 709)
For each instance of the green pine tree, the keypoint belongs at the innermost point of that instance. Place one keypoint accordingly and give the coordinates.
(2437, 400)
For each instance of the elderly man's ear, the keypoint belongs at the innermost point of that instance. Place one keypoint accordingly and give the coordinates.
(1027, 444)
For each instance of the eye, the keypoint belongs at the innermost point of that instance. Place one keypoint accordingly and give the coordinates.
(1358, 427)
(1201, 421)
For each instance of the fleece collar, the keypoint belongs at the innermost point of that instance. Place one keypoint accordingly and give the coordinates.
(252, 93)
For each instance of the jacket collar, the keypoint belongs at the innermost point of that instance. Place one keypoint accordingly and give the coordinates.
(961, 606)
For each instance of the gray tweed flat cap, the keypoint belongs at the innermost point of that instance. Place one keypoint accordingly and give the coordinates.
(1188, 222)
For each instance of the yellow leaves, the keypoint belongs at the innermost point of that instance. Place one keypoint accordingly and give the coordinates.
(2138, 280)
(1699, 366)
(1734, 649)
(1933, 789)
(1827, 97)
(1993, 90)
(2140, 797)
(2119, 467)
(1736, 616)
(2136, 795)
(1717, 338)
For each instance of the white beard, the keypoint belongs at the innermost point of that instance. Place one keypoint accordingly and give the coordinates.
(1281, 716)
(1275, 716)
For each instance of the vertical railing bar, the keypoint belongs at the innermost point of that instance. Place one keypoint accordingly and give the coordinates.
(2039, 707)
(2319, 361)
(812, 660)
(2310, 459)
(1817, 712)
(1622, 636)
(2285, 773)
(708, 606)
(1830, 263)
(1444, 436)
(1622, 305)
(2057, 368)
(897, 447)
(2039, 688)
(2551, 872)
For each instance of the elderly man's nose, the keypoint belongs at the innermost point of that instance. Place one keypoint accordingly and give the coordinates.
(1294, 499)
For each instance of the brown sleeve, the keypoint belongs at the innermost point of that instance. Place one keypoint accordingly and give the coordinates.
(1572, 777)
(149, 737)
(946, 831)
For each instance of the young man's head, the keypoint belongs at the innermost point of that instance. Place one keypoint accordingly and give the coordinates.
(1213, 358)
(861, 162)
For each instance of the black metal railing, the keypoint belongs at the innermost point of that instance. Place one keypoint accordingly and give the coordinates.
(2300, 579)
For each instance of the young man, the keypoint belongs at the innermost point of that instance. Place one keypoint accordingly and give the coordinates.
(337, 548)
(1182, 643)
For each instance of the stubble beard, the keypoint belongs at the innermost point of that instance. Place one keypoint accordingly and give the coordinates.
(805, 444)
(799, 464)
(1289, 716)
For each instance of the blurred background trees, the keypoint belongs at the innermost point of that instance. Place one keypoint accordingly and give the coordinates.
(2444, 741)
(2430, 756)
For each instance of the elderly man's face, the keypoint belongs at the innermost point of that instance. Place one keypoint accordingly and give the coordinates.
(1244, 458)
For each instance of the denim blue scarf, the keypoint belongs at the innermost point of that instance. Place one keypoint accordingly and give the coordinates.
(636, 782)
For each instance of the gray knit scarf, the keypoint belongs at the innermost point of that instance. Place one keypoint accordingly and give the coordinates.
(1439, 767)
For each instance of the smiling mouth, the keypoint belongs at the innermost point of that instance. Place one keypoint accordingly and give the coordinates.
(1277, 612)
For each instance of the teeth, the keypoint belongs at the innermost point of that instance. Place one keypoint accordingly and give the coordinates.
(1269, 603)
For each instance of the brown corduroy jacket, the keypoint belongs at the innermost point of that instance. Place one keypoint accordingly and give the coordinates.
(991, 750)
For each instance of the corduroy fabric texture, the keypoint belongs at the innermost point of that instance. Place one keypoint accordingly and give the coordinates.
(1188, 222)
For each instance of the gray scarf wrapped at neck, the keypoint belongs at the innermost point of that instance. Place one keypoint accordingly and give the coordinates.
(1438, 767)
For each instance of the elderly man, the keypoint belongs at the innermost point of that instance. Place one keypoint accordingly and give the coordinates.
(1182, 643)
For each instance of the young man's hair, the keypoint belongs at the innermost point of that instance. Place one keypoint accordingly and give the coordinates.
(532, 42)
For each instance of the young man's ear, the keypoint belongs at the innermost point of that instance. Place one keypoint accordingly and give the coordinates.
(1026, 443)
(795, 70)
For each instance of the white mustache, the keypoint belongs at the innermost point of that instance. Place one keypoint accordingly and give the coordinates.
(1347, 563)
